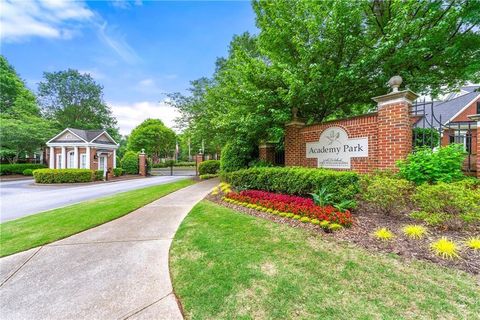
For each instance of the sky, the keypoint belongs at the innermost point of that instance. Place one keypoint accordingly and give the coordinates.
(138, 50)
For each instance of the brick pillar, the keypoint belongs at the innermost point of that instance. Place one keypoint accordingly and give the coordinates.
(394, 125)
(294, 144)
(266, 152)
(142, 164)
(476, 117)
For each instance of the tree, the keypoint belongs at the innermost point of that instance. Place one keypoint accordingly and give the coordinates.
(22, 130)
(328, 59)
(75, 100)
(14, 93)
(154, 137)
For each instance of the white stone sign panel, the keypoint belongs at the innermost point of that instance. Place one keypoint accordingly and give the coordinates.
(335, 150)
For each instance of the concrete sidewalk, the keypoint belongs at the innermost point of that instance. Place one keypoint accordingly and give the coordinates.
(118, 270)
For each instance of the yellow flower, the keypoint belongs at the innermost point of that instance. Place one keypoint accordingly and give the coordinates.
(445, 248)
(383, 234)
(473, 243)
(414, 231)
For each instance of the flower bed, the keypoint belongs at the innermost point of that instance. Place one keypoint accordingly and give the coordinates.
(295, 205)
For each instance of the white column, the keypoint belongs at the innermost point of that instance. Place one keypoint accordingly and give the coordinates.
(64, 160)
(114, 158)
(52, 158)
(75, 157)
(88, 158)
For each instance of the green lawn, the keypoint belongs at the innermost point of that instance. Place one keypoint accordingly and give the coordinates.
(227, 265)
(45, 227)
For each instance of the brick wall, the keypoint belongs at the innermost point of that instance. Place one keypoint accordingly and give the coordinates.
(267, 152)
(356, 127)
(389, 133)
(394, 134)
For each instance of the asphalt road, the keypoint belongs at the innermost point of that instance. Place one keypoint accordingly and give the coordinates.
(22, 198)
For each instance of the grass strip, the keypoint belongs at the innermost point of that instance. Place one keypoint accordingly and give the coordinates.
(227, 265)
(45, 227)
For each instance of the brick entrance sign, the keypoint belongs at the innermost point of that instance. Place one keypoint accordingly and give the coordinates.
(363, 143)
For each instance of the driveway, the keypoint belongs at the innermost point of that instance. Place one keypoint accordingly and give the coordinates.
(22, 198)
(118, 270)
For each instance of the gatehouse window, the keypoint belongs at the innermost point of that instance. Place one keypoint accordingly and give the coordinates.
(83, 161)
(462, 137)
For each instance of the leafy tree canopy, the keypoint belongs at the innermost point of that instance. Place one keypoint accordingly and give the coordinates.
(328, 59)
(75, 100)
(153, 136)
(15, 97)
(22, 130)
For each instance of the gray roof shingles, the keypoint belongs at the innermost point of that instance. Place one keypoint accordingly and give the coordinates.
(88, 135)
(446, 110)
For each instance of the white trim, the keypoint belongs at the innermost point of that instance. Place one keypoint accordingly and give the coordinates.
(88, 158)
(73, 144)
(75, 159)
(64, 158)
(104, 132)
(67, 129)
(51, 159)
(114, 158)
(463, 109)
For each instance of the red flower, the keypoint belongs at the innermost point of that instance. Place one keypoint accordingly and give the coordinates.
(293, 204)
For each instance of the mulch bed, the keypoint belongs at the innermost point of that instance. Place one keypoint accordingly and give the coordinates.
(367, 220)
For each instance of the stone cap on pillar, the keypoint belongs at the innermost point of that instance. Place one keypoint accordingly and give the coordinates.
(396, 96)
(295, 119)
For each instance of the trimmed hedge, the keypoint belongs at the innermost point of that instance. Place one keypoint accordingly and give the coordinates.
(63, 175)
(98, 174)
(27, 172)
(18, 168)
(208, 176)
(130, 162)
(117, 172)
(209, 167)
(342, 185)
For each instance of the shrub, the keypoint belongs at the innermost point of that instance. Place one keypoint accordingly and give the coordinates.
(235, 156)
(63, 175)
(414, 231)
(98, 175)
(425, 137)
(208, 176)
(386, 194)
(426, 165)
(452, 204)
(117, 172)
(445, 248)
(209, 167)
(383, 234)
(18, 168)
(27, 172)
(130, 162)
(335, 226)
(343, 185)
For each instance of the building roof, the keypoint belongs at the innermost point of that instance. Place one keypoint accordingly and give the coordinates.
(446, 110)
(86, 136)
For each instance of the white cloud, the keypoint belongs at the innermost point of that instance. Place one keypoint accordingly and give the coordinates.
(125, 4)
(130, 115)
(20, 20)
(111, 37)
(147, 83)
